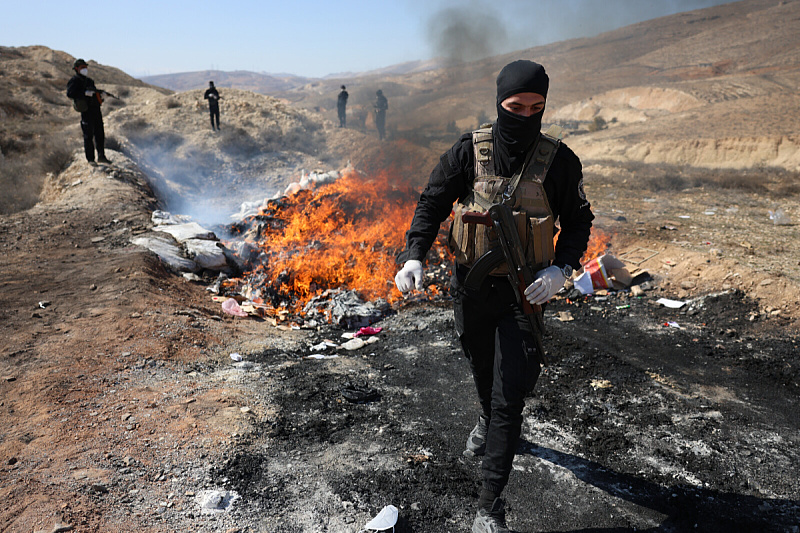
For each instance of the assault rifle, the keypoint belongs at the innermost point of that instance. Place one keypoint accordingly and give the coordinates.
(101, 91)
(512, 252)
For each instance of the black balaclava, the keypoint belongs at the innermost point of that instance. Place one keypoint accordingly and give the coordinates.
(516, 134)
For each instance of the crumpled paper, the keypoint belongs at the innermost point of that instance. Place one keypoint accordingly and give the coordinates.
(231, 306)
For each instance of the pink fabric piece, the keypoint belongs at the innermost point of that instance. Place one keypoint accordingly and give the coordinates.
(231, 306)
(368, 330)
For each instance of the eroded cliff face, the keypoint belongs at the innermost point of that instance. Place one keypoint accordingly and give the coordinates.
(782, 151)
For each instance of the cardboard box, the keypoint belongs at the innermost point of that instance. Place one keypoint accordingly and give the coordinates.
(604, 272)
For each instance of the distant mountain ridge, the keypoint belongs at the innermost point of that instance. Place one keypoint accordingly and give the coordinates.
(272, 83)
(257, 82)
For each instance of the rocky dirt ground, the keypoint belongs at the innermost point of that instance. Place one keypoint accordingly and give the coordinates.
(122, 410)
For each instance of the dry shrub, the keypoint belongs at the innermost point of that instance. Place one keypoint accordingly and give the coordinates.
(788, 189)
(57, 156)
(739, 182)
(172, 103)
(238, 143)
(21, 185)
(133, 127)
(112, 143)
(13, 108)
(670, 183)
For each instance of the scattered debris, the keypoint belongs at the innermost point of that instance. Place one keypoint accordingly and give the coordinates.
(672, 304)
(638, 255)
(384, 520)
(565, 316)
(58, 527)
(231, 307)
(360, 393)
(780, 218)
(600, 384)
(367, 330)
(604, 272)
(215, 501)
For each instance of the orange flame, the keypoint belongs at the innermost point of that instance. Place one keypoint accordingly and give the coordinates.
(342, 234)
(599, 242)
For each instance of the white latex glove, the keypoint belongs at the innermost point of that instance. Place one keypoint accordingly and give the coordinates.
(410, 276)
(547, 283)
(89, 92)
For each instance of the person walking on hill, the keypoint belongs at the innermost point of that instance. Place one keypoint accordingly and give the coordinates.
(341, 107)
(87, 99)
(540, 179)
(381, 105)
(212, 95)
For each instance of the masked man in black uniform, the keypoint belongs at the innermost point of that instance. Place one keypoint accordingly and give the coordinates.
(381, 105)
(341, 107)
(212, 95)
(498, 340)
(87, 99)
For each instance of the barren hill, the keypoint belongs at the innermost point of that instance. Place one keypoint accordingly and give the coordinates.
(713, 87)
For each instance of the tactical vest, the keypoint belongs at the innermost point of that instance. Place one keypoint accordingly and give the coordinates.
(524, 192)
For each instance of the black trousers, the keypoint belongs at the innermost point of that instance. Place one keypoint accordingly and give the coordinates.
(342, 116)
(380, 123)
(94, 135)
(498, 342)
(214, 112)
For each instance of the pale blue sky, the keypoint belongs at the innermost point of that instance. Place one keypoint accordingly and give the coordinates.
(310, 38)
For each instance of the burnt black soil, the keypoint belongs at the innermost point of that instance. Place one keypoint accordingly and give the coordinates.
(637, 425)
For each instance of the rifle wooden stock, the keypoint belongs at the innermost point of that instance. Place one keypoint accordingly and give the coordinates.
(520, 274)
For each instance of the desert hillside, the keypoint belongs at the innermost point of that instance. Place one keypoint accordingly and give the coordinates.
(717, 87)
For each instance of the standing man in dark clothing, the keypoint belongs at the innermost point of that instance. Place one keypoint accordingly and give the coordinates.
(212, 95)
(381, 105)
(341, 106)
(484, 168)
(87, 99)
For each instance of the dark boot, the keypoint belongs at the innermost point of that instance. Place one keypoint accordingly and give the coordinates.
(476, 442)
(493, 520)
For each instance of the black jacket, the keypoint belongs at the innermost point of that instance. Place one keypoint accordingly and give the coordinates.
(381, 104)
(452, 181)
(342, 100)
(77, 87)
(213, 101)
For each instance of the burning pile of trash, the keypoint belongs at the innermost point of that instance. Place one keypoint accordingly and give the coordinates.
(323, 252)
(326, 247)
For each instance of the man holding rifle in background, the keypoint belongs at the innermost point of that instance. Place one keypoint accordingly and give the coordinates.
(87, 99)
(512, 184)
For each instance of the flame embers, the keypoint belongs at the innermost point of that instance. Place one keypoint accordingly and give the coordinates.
(344, 234)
